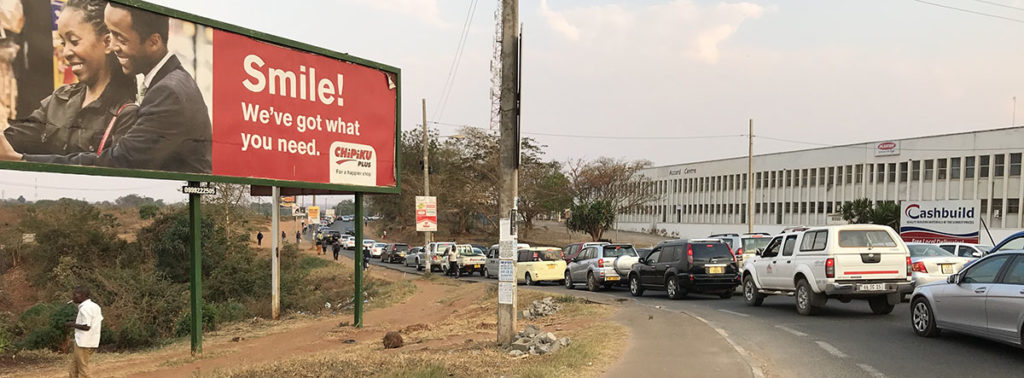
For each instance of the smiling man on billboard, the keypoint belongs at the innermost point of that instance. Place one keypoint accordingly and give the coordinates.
(173, 130)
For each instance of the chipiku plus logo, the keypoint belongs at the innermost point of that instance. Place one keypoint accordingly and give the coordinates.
(353, 164)
(914, 211)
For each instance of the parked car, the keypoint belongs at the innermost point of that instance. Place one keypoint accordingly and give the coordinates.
(682, 266)
(601, 265)
(412, 257)
(491, 267)
(349, 242)
(468, 259)
(971, 251)
(985, 299)
(572, 250)
(368, 244)
(539, 264)
(744, 246)
(858, 261)
(432, 251)
(394, 253)
(930, 263)
(346, 218)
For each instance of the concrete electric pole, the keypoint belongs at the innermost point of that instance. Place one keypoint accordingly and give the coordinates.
(426, 178)
(509, 167)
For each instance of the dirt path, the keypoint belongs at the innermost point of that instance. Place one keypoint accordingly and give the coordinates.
(432, 302)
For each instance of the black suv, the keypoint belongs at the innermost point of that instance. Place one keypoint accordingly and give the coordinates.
(686, 265)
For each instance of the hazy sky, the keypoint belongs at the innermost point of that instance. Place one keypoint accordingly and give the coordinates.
(609, 73)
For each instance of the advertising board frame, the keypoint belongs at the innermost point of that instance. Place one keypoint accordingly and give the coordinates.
(199, 177)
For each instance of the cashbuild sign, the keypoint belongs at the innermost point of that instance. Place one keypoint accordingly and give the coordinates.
(223, 104)
(940, 221)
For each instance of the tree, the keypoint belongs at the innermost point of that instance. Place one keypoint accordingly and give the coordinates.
(863, 211)
(619, 182)
(345, 207)
(592, 218)
(21, 199)
(543, 189)
(857, 211)
(231, 203)
(886, 213)
(148, 211)
(135, 200)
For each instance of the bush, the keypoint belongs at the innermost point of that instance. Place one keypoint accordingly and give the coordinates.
(183, 326)
(46, 322)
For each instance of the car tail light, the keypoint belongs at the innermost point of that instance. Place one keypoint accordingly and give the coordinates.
(830, 268)
(919, 267)
(600, 263)
(910, 268)
(739, 252)
(689, 254)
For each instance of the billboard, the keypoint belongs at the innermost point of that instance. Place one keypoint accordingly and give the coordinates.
(426, 213)
(298, 211)
(940, 221)
(208, 102)
(313, 213)
(887, 148)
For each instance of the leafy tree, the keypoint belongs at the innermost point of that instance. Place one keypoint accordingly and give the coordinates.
(619, 182)
(857, 211)
(543, 189)
(592, 218)
(21, 199)
(345, 207)
(886, 213)
(148, 211)
(135, 200)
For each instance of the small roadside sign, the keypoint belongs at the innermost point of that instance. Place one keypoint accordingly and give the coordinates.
(506, 292)
(506, 271)
(28, 238)
(203, 190)
(426, 213)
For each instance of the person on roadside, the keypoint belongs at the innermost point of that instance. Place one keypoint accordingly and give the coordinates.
(336, 248)
(323, 245)
(366, 259)
(259, 238)
(453, 262)
(298, 237)
(284, 237)
(87, 332)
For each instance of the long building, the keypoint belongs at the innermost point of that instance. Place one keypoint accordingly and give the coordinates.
(808, 187)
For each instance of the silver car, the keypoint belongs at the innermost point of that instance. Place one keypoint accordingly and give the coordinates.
(986, 299)
(930, 263)
(601, 265)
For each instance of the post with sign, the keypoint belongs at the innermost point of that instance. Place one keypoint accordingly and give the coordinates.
(506, 278)
(275, 264)
(426, 220)
(195, 267)
(357, 254)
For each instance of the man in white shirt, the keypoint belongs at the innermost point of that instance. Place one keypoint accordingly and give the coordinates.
(87, 332)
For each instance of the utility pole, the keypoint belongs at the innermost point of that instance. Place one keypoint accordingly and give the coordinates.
(275, 269)
(426, 178)
(750, 177)
(508, 165)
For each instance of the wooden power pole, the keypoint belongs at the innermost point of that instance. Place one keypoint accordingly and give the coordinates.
(750, 177)
(509, 166)
(426, 177)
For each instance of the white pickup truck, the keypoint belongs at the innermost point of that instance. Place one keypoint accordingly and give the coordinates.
(847, 262)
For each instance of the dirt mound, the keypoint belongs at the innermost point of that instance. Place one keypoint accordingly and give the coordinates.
(16, 293)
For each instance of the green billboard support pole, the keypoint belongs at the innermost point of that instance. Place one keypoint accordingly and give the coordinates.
(358, 256)
(195, 270)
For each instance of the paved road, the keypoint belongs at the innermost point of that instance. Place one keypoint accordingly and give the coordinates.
(846, 340)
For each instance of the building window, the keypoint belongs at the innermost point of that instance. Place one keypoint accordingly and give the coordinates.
(997, 206)
(787, 207)
(915, 170)
(814, 176)
(789, 177)
(892, 172)
(849, 174)
(954, 168)
(1015, 164)
(831, 176)
(929, 167)
(984, 206)
(983, 162)
(830, 207)
(774, 181)
(821, 206)
(1013, 206)
(969, 167)
(859, 177)
(903, 172)
(999, 165)
(803, 207)
(940, 171)
(821, 176)
(803, 178)
(880, 172)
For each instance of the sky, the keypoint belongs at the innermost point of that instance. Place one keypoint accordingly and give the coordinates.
(670, 81)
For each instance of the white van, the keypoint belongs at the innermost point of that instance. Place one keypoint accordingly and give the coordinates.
(858, 261)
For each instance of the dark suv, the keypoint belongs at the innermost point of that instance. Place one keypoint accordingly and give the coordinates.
(686, 265)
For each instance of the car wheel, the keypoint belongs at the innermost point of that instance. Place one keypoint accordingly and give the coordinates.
(803, 298)
(568, 281)
(726, 294)
(750, 293)
(634, 286)
(922, 318)
(673, 288)
(880, 305)
(418, 266)
(592, 283)
(529, 281)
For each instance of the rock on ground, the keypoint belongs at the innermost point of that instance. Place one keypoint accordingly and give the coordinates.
(393, 340)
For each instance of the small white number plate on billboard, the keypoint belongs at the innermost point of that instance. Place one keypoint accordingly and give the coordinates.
(506, 271)
(506, 292)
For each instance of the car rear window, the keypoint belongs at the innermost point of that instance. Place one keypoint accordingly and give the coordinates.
(754, 244)
(927, 250)
(865, 238)
(401, 247)
(619, 250)
(709, 250)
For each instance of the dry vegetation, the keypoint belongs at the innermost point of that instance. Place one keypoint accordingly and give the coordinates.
(463, 346)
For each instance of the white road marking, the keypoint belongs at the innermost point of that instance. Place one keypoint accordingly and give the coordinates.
(733, 312)
(871, 371)
(755, 367)
(831, 349)
(790, 330)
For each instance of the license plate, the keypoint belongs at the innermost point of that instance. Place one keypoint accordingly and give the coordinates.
(551, 266)
(611, 278)
(477, 266)
(947, 268)
(716, 269)
(871, 287)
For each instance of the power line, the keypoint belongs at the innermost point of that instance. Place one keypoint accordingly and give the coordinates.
(971, 11)
(1000, 4)
(456, 60)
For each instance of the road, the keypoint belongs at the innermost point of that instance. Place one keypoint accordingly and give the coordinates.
(846, 340)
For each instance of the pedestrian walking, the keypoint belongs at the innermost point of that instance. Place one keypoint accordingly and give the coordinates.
(87, 332)
(284, 237)
(259, 238)
(384, 235)
(323, 245)
(336, 248)
(320, 240)
(298, 237)
(453, 262)
(366, 259)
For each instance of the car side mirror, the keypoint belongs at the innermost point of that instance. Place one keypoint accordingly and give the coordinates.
(642, 260)
(976, 254)
(953, 279)
(757, 252)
